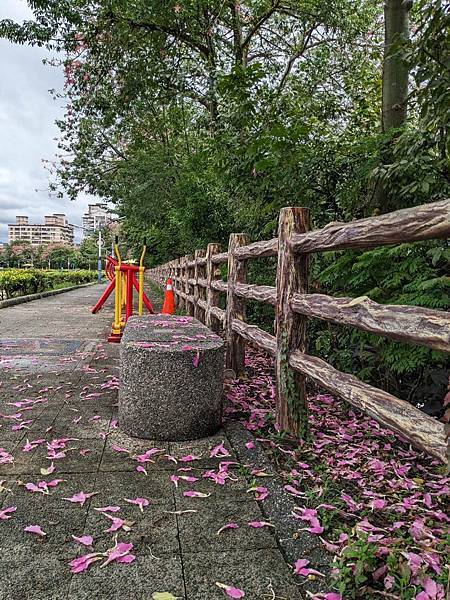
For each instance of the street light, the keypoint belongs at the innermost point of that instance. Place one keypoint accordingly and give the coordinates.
(99, 244)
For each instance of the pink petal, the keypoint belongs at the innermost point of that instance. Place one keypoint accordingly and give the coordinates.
(6, 512)
(228, 526)
(189, 458)
(116, 524)
(80, 498)
(192, 494)
(230, 591)
(82, 563)
(85, 540)
(127, 559)
(258, 524)
(35, 529)
(220, 451)
(140, 502)
(108, 509)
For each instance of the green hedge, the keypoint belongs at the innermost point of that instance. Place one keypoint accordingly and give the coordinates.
(21, 282)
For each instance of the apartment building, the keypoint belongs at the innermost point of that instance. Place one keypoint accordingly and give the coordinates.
(97, 217)
(56, 229)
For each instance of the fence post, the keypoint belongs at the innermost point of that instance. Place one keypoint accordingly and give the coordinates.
(197, 294)
(292, 276)
(188, 273)
(212, 296)
(237, 273)
(177, 282)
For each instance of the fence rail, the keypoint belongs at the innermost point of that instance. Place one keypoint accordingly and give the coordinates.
(198, 285)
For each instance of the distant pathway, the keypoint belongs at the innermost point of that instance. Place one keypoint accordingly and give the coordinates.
(59, 440)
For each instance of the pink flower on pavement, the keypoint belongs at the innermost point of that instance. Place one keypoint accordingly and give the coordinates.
(113, 509)
(259, 524)
(140, 502)
(5, 514)
(189, 458)
(300, 568)
(146, 457)
(261, 492)
(82, 563)
(5, 457)
(116, 524)
(120, 449)
(230, 591)
(80, 498)
(35, 529)
(31, 487)
(192, 494)
(219, 451)
(85, 540)
(228, 526)
(120, 553)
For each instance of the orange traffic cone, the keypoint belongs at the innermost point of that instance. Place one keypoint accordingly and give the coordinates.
(169, 299)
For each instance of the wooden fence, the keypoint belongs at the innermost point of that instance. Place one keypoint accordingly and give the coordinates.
(198, 284)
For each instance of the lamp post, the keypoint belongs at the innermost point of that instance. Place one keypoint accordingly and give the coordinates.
(99, 262)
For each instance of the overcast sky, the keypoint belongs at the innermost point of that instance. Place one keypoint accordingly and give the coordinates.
(27, 129)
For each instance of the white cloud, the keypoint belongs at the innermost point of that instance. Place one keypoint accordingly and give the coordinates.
(27, 129)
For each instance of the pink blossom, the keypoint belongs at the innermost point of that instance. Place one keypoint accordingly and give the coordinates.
(300, 568)
(230, 591)
(85, 540)
(259, 524)
(80, 498)
(227, 526)
(119, 554)
(113, 509)
(35, 529)
(82, 563)
(5, 514)
(192, 494)
(189, 458)
(140, 502)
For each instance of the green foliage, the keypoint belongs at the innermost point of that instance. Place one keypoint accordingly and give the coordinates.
(21, 282)
(408, 274)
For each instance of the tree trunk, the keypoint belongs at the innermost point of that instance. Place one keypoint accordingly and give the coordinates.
(395, 70)
(395, 82)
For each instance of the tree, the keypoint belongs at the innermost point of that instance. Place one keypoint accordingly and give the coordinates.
(395, 67)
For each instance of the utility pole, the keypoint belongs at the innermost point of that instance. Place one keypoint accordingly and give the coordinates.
(99, 266)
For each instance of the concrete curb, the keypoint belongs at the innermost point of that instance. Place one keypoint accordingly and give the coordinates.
(31, 297)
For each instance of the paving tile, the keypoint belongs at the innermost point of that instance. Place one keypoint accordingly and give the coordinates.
(113, 487)
(38, 503)
(234, 489)
(138, 580)
(153, 532)
(40, 577)
(59, 525)
(252, 571)
(198, 531)
(114, 460)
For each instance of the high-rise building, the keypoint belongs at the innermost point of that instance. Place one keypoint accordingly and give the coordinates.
(97, 217)
(56, 228)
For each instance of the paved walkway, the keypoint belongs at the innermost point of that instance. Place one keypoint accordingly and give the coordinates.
(59, 439)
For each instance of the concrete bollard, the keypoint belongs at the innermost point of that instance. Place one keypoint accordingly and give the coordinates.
(171, 378)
